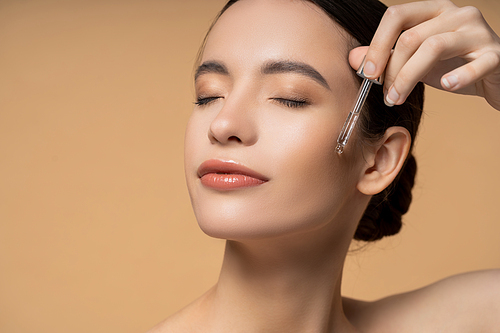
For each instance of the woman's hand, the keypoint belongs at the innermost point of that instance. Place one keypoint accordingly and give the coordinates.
(442, 45)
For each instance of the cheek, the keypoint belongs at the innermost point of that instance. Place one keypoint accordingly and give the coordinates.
(312, 179)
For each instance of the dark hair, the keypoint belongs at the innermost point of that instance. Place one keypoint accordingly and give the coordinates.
(383, 215)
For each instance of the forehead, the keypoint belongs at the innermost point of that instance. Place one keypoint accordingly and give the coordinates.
(252, 32)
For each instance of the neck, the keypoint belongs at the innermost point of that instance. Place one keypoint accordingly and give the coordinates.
(280, 286)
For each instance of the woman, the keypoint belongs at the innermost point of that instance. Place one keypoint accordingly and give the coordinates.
(273, 90)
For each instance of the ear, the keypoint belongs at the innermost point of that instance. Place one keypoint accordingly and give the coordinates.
(384, 161)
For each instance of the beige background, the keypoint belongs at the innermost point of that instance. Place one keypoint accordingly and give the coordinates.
(96, 229)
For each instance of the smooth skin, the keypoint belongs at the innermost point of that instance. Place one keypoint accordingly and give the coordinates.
(288, 238)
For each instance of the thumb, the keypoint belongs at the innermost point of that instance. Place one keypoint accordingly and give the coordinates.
(356, 56)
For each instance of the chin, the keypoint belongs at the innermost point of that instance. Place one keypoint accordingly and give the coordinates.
(235, 227)
(247, 223)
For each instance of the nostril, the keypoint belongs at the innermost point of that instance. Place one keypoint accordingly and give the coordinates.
(234, 138)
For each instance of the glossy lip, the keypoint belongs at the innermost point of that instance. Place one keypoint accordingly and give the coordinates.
(229, 167)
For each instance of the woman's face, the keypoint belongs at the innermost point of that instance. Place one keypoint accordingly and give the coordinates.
(273, 90)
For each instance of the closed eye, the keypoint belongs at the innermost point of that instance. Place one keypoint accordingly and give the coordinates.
(292, 103)
(202, 101)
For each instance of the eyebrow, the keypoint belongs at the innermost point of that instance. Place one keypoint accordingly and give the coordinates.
(280, 67)
(273, 67)
(211, 67)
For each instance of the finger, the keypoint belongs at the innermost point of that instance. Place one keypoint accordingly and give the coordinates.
(356, 56)
(471, 72)
(432, 50)
(396, 19)
(411, 40)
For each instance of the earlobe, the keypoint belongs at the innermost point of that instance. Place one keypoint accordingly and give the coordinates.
(385, 161)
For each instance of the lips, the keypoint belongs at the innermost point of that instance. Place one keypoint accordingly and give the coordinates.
(228, 175)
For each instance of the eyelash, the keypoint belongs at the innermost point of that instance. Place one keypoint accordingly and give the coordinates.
(202, 101)
(292, 103)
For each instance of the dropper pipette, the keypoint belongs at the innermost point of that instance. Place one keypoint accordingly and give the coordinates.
(353, 116)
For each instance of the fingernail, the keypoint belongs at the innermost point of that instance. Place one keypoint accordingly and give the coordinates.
(392, 97)
(369, 69)
(450, 81)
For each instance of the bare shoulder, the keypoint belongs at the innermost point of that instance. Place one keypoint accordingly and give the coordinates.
(174, 323)
(187, 320)
(468, 302)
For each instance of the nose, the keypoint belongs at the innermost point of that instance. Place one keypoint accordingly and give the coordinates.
(235, 123)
